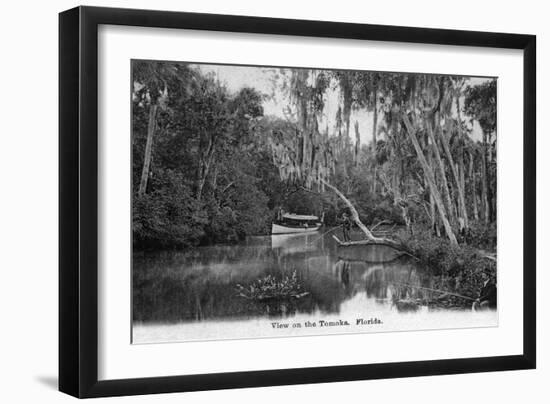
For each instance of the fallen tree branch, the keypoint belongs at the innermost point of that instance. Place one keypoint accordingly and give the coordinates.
(377, 241)
(354, 214)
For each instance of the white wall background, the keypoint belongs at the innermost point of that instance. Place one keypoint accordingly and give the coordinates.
(28, 199)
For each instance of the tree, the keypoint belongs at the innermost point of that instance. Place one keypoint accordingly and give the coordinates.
(203, 181)
(481, 104)
(368, 88)
(313, 162)
(431, 180)
(209, 167)
(419, 97)
(151, 81)
(452, 89)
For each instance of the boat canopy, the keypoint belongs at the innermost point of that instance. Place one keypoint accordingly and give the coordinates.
(292, 216)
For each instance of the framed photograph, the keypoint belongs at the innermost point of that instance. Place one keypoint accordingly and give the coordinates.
(251, 201)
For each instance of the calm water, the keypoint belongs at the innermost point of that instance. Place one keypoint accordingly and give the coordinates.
(192, 295)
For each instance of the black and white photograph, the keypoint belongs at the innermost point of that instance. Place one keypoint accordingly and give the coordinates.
(276, 201)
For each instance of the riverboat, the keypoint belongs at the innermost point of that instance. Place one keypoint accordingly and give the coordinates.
(291, 223)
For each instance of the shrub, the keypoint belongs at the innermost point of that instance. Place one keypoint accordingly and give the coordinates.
(482, 236)
(168, 216)
(269, 287)
(459, 268)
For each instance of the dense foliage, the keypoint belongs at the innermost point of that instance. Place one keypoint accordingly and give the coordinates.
(210, 167)
(460, 269)
(203, 183)
(210, 176)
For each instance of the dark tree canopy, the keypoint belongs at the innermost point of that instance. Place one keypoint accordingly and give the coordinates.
(481, 104)
(209, 166)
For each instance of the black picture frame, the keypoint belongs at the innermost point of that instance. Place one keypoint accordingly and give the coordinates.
(78, 200)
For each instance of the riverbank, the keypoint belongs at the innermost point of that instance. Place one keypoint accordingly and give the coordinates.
(461, 269)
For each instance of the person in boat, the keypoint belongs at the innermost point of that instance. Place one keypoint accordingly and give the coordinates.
(488, 293)
(346, 226)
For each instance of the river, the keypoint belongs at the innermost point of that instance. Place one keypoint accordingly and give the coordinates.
(194, 294)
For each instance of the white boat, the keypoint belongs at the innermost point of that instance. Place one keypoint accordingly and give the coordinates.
(292, 224)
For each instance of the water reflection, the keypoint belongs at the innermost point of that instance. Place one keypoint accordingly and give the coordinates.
(200, 284)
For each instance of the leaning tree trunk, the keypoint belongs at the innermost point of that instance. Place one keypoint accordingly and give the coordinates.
(374, 141)
(484, 196)
(456, 176)
(148, 149)
(431, 180)
(302, 114)
(353, 211)
(346, 112)
(347, 100)
(441, 169)
(433, 219)
(461, 137)
(205, 164)
(471, 174)
(460, 168)
(491, 194)
(357, 143)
